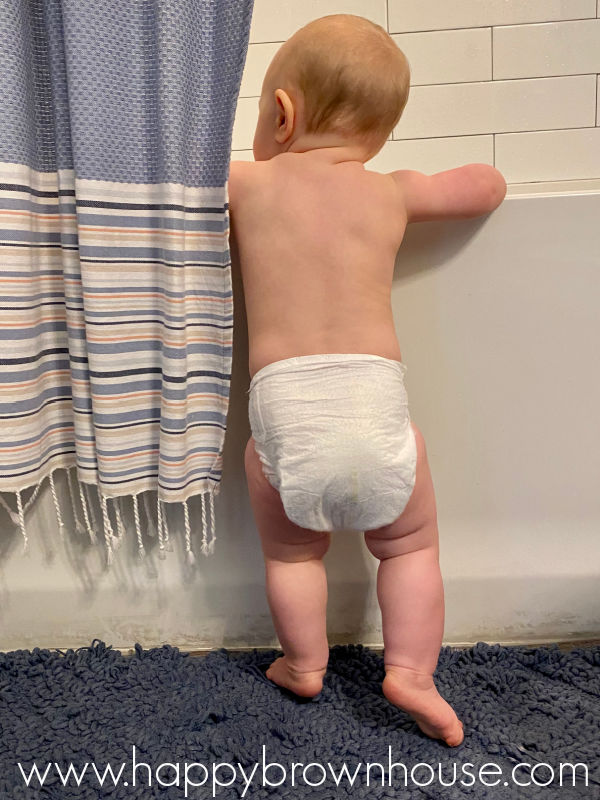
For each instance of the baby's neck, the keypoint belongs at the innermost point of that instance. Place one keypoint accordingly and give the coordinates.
(331, 153)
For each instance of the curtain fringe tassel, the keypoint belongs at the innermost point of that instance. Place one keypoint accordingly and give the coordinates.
(108, 531)
(138, 530)
(161, 541)
(22, 523)
(120, 526)
(86, 514)
(188, 535)
(113, 541)
(59, 518)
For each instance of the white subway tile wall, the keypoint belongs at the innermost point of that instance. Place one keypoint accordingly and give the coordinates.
(433, 15)
(556, 48)
(515, 84)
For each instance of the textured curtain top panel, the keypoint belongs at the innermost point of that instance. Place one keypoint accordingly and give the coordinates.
(116, 307)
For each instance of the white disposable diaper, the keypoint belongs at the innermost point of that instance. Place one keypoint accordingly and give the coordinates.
(333, 434)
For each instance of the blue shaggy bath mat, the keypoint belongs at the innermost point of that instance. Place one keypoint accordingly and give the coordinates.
(84, 724)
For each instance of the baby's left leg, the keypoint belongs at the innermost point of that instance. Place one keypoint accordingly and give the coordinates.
(296, 585)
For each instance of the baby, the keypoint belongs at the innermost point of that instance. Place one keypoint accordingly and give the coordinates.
(333, 446)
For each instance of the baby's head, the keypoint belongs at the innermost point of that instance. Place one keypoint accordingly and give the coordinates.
(340, 80)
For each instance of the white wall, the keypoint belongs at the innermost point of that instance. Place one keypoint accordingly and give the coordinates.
(498, 324)
(513, 84)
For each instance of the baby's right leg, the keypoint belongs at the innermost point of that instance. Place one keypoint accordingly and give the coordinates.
(411, 597)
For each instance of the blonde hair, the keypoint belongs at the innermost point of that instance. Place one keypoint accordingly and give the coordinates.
(353, 78)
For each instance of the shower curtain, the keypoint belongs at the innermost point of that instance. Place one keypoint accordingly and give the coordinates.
(116, 308)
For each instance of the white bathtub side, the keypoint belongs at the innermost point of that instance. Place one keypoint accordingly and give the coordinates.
(499, 327)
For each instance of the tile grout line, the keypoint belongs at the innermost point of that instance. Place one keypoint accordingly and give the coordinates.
(469, 135)
(460, 28)
(492, 73)
(463, 27)
(494, 133)
(496, 82)
(485, 25)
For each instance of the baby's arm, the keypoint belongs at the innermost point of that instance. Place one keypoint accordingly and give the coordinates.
(459, 193)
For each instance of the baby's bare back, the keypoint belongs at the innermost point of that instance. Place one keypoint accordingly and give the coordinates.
(316, 244)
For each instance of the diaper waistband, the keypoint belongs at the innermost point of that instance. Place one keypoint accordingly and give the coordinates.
(300, 363)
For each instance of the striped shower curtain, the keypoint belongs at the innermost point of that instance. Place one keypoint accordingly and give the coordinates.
(116, 120)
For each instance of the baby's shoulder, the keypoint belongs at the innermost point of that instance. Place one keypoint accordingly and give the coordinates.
(241, 174)
(243, 177)
(238, 169)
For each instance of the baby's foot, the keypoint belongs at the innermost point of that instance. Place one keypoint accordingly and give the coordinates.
(304, 684)
(415, 693)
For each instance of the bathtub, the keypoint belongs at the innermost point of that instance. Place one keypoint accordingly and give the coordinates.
(498, 320)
